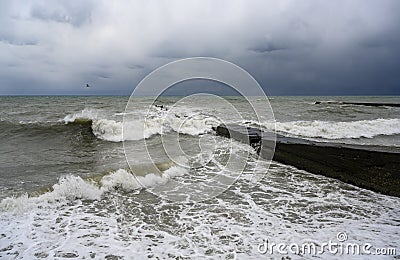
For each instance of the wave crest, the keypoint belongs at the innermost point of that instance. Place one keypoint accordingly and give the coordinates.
(72, 187)
(340, 130)
(137, 129)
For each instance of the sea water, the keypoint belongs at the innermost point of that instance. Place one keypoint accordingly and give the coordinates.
(67, 190)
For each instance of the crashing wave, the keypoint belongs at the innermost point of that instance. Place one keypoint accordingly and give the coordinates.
(340, 130)
(86, 114)
(137, 129)
(71, 187)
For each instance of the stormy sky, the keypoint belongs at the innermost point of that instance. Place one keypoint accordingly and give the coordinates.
(290, 47)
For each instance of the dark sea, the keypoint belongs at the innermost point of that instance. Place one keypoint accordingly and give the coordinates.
(77, 182)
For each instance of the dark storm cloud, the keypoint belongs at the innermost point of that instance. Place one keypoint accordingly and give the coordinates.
(9, 39)
(102, 75)
(17, 42)
(267, 48)
(169, 51)
(71, 12)
(135, 66)
(291, 47)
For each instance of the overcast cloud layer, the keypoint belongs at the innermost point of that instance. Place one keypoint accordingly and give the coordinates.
(291, 47)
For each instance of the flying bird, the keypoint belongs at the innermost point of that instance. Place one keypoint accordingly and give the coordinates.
(88, 86)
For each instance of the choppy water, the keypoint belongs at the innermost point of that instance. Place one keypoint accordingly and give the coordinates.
(67, 190)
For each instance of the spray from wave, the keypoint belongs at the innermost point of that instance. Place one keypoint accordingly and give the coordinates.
(340, 130)
(137, 129)
(72, 187)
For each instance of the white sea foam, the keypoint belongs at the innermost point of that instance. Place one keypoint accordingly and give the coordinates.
(86, 113)
(175, 171)
(108, 130)
(120, 179)
(71, 187)
(290, 206)
(195, 125)
(136, 129)
(127, 181)
(340, 130)
(68, 188)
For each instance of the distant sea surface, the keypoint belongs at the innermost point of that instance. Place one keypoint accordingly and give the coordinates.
(66, 189)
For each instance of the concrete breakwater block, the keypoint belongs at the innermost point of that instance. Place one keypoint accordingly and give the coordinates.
(369, 104)
(371, 167)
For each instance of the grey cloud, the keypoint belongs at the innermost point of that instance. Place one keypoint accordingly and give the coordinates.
(135, 66)
(388, 41)
(71, 12)
(269, 45)
(170, 50)
(102, 75)
(17, 42)
(291, 47)
(267, 48)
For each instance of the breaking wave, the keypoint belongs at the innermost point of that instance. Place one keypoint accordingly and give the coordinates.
(106, 128)
(112, 130)
(340, 130)
(72, 187)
